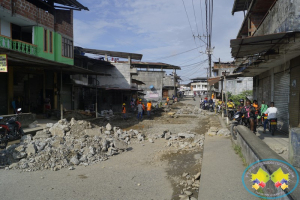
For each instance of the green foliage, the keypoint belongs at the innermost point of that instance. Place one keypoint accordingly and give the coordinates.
(236, 98)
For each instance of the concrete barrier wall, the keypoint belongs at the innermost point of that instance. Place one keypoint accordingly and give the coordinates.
(254, 149)
(25, 118)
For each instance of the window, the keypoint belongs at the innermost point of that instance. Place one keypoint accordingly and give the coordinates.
(51, 42)
(67, 48)
(45, 41)
(239, 81)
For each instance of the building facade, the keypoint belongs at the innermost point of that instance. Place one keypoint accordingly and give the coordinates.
(233, 85)
(267, 49)
(36, 39)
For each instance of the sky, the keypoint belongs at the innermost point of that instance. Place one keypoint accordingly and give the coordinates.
(158, 29)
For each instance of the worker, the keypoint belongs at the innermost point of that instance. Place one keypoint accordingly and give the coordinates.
(168, 99)
(140, 111)
(144, 108)
(137, 101)
(149, 108)
(124, 111)
(230, 104)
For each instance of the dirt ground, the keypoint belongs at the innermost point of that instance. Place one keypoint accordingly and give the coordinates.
(145, 171)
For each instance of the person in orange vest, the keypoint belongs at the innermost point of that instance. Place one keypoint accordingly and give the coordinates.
(149, 108)
(168, 99)
(124, 111)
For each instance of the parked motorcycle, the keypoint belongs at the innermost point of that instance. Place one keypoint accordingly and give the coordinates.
(273, 125)
(238, 119)
(10, 130)
(231, 113)
(211, 107)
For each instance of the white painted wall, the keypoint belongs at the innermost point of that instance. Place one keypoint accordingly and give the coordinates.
(120, 76)
(5, 28)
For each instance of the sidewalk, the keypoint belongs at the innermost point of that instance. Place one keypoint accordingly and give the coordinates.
(41, 125)
(222, 170)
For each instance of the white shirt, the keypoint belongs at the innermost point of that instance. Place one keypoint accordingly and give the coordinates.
(271, 111)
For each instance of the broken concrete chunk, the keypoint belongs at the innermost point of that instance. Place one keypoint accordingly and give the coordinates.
(186, 135)
(108, 127)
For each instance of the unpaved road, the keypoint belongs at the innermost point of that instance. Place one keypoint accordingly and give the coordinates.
(146, 171)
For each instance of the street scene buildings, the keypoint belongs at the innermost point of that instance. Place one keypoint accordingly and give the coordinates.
(149, 100)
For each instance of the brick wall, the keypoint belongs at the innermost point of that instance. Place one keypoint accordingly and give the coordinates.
(29, 11)
(64, 18)
(62, 25)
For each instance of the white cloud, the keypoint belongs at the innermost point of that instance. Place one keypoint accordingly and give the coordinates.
(156, 28)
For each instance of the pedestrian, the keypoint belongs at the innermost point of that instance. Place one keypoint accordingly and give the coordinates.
(144, 108)
(263, 108)
(272, 114)
(124, 111)
(140, 111)
(249, 114)
(149, 108)
(168, 99)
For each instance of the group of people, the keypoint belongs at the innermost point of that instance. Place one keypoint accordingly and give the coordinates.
(141, 108)
(252, 112)
(255, 113)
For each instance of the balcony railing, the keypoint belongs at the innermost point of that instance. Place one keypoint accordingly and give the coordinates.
(18, 45)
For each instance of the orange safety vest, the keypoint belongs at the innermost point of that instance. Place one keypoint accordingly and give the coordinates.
(123, 109)
(143, 107)
(148, 106)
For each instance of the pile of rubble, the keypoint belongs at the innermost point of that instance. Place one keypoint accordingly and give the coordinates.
(216, 131)
(189, 110)
(190, 183)
(184, 141)
(67, 144)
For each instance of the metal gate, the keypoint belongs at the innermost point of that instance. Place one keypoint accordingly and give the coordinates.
(281, 99)
(295, 97)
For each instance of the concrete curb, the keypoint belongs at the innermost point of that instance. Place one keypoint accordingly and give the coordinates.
(254, 149)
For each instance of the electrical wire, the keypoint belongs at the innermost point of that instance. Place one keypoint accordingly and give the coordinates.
(195, 18)
(175, 54)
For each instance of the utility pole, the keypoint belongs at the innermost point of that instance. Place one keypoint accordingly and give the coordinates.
(174, 76)
(207, 79)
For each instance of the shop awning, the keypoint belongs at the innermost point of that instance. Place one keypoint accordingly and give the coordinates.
(19, 59)
(214, 80)
(257, 45)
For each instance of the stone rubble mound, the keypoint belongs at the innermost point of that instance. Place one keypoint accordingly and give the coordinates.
(67, 144)
(182, 140)
(190, 182)
(189, 110)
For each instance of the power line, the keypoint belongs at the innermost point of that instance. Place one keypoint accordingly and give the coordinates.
(195, 18)
(189, 23)
(201, 17)
(175, 54)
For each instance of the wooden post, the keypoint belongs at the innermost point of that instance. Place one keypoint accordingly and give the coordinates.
(96, 105)
(60, 99)
(226, 97)
(10, 87)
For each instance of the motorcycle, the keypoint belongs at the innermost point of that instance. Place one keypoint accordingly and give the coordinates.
(273, 125)
(10, 130)
(211, 107)
(238, 119)
(231, 113)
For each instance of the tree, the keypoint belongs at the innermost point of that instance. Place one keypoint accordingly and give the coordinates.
(243, 95)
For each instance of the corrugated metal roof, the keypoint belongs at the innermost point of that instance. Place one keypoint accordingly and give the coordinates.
(154, 65)
(240, 5)
(71, 3)
(255, 45)
(118, 54)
